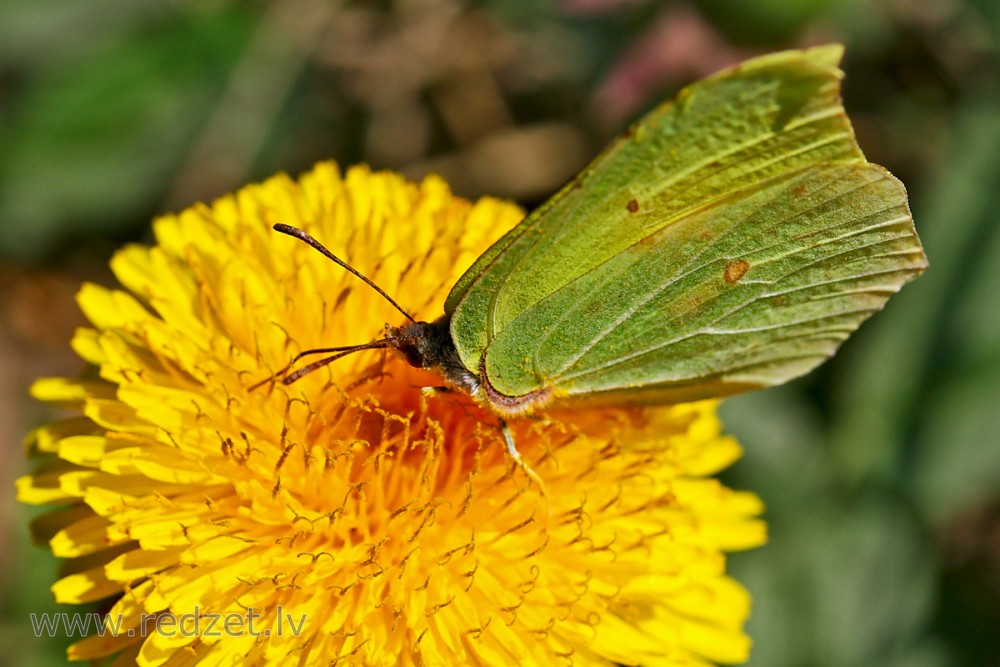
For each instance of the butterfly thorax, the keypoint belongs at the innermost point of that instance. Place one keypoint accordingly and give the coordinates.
(429, 345)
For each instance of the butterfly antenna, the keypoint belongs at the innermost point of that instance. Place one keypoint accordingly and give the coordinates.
(316, 365)
(339, 352)
(303, 236)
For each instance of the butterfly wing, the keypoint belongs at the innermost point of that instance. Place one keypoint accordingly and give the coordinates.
(730, 240)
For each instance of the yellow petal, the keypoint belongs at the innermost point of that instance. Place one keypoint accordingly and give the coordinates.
(86, 586)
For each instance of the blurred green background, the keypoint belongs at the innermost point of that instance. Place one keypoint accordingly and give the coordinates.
(881, 471)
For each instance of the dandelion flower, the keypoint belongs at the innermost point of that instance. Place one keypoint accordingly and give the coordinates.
(390, 526)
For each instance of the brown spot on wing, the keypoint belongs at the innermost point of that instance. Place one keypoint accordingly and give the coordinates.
(633, 206)
(735, 270)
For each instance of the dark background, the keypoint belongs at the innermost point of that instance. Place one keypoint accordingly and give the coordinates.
(881, 471)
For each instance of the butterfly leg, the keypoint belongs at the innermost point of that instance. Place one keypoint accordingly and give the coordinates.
(520, 462)
(427, 393)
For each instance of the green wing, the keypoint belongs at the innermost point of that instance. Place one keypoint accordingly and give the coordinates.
(730, 240)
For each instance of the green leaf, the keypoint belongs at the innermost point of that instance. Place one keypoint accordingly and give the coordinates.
(846, 580)
(94, 139)
(958, 467)
(764, 21)
(883, 376)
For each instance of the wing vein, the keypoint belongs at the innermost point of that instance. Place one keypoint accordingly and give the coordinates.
(729, 313)
(684, 271)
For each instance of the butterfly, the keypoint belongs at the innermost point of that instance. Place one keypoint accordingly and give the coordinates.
(730, 240)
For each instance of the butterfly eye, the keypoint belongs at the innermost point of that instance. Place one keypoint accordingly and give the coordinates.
(413, 355)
